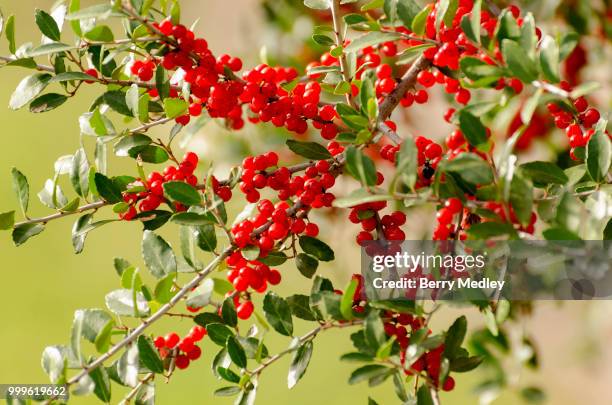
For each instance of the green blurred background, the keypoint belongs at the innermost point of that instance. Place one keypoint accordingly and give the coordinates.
(43, 282)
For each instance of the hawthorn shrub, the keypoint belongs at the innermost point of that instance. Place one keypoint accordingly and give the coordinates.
(337, 111)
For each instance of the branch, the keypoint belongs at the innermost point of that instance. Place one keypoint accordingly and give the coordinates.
(309, 336)
(147, 322)
(44, 220)
(408, 81)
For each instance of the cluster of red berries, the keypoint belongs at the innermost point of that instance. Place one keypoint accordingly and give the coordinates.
(430, 362)
(577, 120)
(367, 215)
(498, 209)
(250, 273)
(429, 154)
(183, 350)
(445, 216)
(143, 69)
(310, 189)
(151, 192)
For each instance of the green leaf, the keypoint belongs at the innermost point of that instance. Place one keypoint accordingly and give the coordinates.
(201, 295)
(7, 220)
(163, 289)
(521, 198)
(507, 27)
(21, 189)
(424, 396)
(367, 372)
(192, 219)
(278, 314)
(50, 48)
(360, 196)
(306, 264)
(228, 312)
(107, 189)
(79, 173)
(470, 23)
(346, 304)
(543, 173)
(318, 4)
(28, 89)
(218, 333)
(149, 356)
(102, 388)
(454, 337)
(101, 33)
(78, 236)
(465, 364)
(124, 302)
(300, 307)
(274, 258)
(47, 102)
(309, 150)
(150, 154)
(316, 248)
(471, 127)
(236, 352)
(371, 39)
(129, 142)
(533, 395)
(407, 163)
(175, 107)
(607, 232)
(227, 391)
(407, 10)
(418, 23)
(599, 153)
(206, 238)
(528, 39)
(24, 232)
(100, 11)
(47, 25)
(70, 76)
(549, 59)
(374, 330)
(470, 168)
(323, 40)
(518, 61)
(489, 229)
(567, 44)
(559, 234)
(299, 363)
(10, 34)
(54, 362)
(360, 166)
(158, 255)
(183, 193)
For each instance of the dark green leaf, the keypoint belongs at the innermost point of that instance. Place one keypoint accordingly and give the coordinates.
(300, 307)
(489, 229)
(102, 389)
(309, 150)
(407, 10)
(107, 189)
(47, 102)
(278, 314)
(507, 26)
(150, 154)
(465, 364)
(227, 391)
(424, 396)
(360, 166)
(274, 258)
(471, 168)
(236, 352)
(10, 34)
(47, 25)
(521, 198)
(518, 61)
(543, 173)
(454, 337)
(218, 333)
(206, 238)
(228, 312)
(24, 232)
(183, 193)
(599, 153)
(149, 356)
(366, 372)
(21, 189)
(559, 234)
(299, 363)
(471, 127)
(316, 248)
(205, 318)
(607, 233)
(129, 142)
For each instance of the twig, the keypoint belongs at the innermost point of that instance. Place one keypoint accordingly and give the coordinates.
(337, 21)
(134, 391)
(408, 81)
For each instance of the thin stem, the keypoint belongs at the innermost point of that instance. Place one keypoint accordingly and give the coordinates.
(389, 133)
(337, 21)
(308, 336)
(44, 220)
(134, 391)
(408, 81)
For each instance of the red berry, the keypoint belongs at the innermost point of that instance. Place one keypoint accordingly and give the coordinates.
(172, 340)
(245, 310)
(181, 362)
(312, 230)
